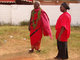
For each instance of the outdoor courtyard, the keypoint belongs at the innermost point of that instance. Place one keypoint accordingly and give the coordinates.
(15, 43)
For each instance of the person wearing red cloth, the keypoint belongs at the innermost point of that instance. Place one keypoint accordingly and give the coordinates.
(63, 31)
(39, 24)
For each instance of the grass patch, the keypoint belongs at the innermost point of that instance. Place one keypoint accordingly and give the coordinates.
(48, 46)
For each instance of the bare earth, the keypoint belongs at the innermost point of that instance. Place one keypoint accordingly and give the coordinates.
(18, 50)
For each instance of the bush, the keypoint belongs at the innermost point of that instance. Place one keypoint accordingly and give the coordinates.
(0, 23)
(23, 23)
(5, 24)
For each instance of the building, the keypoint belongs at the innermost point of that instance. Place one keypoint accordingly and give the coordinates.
(16, 1)
(54, 2)
(43, 2)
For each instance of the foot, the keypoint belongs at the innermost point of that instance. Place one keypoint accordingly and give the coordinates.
(64, 58)
(38, 50)
(57, 57)
(31, 51)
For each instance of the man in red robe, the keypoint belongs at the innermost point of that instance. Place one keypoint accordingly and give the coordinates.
(39, 24)
(63, 32)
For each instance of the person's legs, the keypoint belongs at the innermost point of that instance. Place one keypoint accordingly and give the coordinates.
(37, 46)
(31, 50)
(36, 40)
(59, 49)
(64, 51)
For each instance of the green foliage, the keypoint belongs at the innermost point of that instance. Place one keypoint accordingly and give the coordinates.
(0, 23)
(23, 23)
(5, 24)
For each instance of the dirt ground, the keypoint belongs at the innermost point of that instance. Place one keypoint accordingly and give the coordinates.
(17, 47)
(16, 50)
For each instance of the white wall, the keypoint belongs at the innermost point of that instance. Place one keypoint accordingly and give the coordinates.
(21, 13)
(53, 12)
(5, 13)
(16, 13)
(75, 13)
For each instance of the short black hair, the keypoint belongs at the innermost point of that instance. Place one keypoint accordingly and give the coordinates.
(65, 5)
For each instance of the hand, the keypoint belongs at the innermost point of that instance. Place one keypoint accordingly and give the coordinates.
(58, 38)
(62, 30)
(29, 28)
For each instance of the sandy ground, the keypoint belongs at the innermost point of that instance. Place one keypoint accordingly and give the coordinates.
(18, 50)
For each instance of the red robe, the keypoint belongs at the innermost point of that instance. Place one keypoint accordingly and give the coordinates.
(42, 27)
(63, 21)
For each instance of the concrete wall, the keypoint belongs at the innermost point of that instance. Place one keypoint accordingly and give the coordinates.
(16, 13)
(5, 13)
(75, 13)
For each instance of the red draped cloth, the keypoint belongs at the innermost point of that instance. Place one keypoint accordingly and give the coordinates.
(42, 27)
(63, 21)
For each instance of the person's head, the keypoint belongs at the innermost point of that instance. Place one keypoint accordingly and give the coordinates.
(36, 5)
(64, 7)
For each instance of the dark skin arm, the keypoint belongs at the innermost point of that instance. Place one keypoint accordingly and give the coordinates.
(29, 26)
(29, 22)
(62, 30)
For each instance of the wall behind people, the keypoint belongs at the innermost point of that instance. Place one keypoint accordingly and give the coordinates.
(14, 14)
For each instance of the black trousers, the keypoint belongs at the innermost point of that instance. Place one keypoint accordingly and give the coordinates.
(62, 50)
